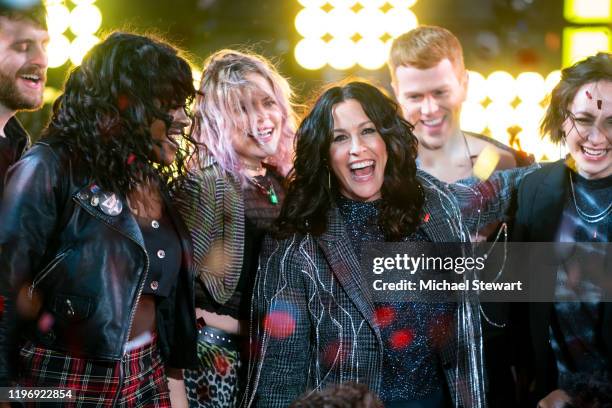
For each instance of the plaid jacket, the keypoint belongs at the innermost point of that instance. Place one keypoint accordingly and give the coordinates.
(316, 314)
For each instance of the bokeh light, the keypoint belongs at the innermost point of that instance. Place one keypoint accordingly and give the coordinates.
(399, 21)
(371, 23)
(528, 115)
(85, 19)
(310, 53)
(473, 117)
(310, 22)
(312, 3)
(402, 3)
(58, 19)
(530, 86)
(552, 79)
(342, 54)
(341, 23)
(80, 46)
(58, 50)
(371, 53)
(501, 86)
(477, 87)
(367, 23)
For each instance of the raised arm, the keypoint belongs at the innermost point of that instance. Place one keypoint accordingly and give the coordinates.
(482, 202)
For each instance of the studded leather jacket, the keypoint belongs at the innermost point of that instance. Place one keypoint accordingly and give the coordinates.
(80, 251)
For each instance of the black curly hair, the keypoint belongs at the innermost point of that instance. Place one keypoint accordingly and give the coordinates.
(309, 197)
(109, 102)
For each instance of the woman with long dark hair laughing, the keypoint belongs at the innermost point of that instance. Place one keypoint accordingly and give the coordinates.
(355, 182)
(89, 240)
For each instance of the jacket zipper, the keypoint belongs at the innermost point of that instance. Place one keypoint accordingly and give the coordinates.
(140, 288)
(132, 314)
(46, 270)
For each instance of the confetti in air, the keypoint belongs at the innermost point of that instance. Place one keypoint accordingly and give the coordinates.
(279, 324)
(486, 162)
(401, 339)
(384, 316)
(45, 322)
(588, 94)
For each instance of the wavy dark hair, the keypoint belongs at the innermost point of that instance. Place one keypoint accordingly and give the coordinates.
(592, 69)
(109, 102)
(309, 197)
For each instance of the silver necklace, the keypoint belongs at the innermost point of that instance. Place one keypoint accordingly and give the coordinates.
(590, 218)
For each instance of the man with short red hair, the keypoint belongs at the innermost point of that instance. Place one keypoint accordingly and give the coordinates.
(430, 82)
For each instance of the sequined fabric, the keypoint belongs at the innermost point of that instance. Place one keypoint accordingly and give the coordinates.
(410, 367)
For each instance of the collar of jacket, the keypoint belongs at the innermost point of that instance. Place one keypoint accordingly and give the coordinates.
(14, 131)
(336, 247)
(125, 222)
(549, 200)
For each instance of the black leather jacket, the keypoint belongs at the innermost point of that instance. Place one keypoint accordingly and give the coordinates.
(88, 266)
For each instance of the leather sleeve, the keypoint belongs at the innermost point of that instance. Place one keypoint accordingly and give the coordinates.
(28, 215)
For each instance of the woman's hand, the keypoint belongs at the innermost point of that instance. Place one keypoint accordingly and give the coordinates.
(556, 399)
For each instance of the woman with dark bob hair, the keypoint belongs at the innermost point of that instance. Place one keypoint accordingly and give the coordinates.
(95, 262)
(569, 202)
(355, 182)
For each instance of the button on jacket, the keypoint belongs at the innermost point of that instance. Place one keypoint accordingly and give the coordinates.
(88, 265)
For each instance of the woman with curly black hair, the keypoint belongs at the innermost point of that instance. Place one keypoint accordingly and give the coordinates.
(95, 262)
(355, 182)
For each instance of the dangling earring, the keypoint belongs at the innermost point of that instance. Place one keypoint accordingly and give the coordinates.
(328, 179)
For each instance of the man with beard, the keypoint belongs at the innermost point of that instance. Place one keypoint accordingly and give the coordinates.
(23, 70)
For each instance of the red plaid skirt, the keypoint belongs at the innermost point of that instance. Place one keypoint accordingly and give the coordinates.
(97, 383)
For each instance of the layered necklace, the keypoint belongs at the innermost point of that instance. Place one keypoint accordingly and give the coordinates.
(586, 217)
(265, 186)
(263, 183)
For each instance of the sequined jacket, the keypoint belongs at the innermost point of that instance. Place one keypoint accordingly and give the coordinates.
(324, 329)
(88, 266)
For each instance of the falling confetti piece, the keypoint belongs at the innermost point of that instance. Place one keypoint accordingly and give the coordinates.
(123, 102)
(401, 338)
(486, 162)
(384, 316)
(45, 322)
(426, 218)
(588, 94)
(131, 158)
(279, 324)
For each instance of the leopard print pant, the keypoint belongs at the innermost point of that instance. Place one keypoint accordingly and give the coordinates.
(214, 384)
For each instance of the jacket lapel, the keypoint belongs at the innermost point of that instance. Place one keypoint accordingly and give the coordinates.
(345, 266)
(548, 202)
(183, 234)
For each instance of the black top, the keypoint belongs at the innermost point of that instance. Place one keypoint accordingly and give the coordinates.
(12, 147)
(260, 214)
(574, 337)
(411, 371)
(165, 255)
